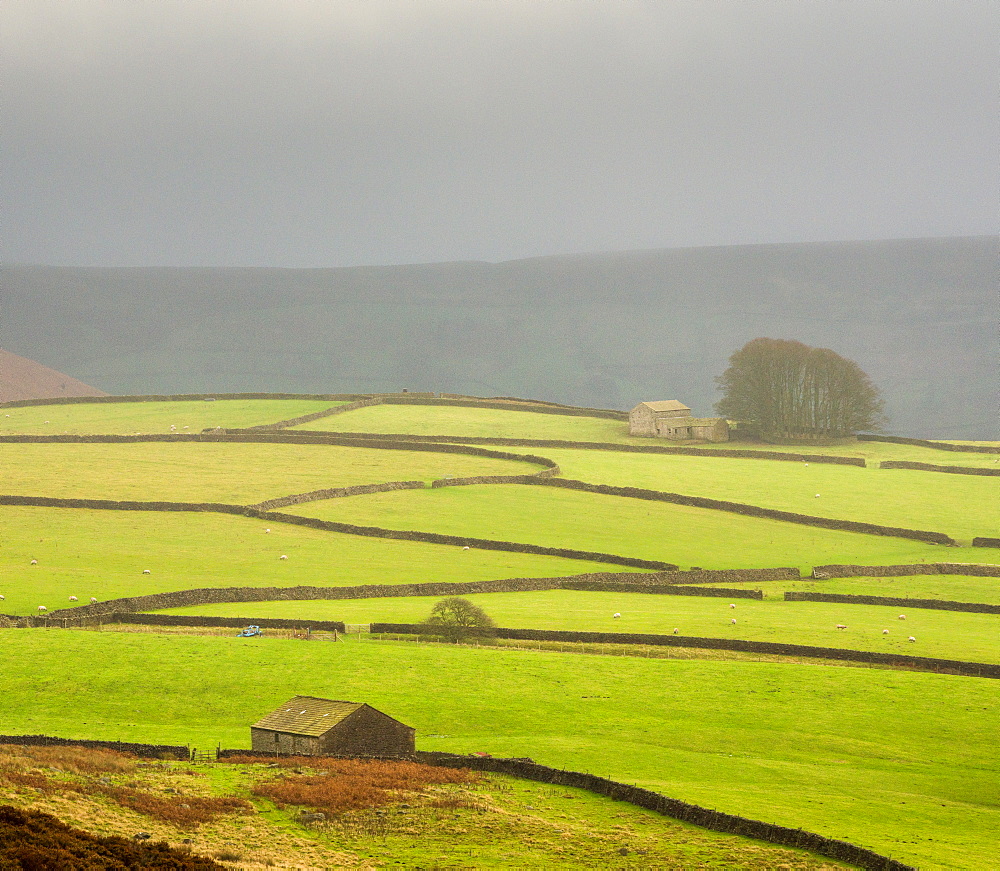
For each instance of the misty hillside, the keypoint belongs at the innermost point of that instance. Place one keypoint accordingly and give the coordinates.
(920, 316)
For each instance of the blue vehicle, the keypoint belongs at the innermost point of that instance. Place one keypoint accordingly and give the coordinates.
(250, 632)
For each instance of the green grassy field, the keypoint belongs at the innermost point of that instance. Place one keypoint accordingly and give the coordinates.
(153, 417)
(103, 554)
(902, 762)
(962, 506)
(651, 530)
(869, 756)
(939, 634)
(222, 472)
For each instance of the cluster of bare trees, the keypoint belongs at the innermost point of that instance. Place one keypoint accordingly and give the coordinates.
(787, 388)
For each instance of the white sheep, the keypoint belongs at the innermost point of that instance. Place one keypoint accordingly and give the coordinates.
(73, 598)
(42, 608)
(3, 597)
(283, 556)
(911, 638)
(885, 631)
(616, 615)
(465, 548)
(93, 601)
(732, 606)
(676, 631)
(267, 530)
(733, 620)
(34, 562)
(902, 616)
(146, 572)
(841, 626)
(816, 496)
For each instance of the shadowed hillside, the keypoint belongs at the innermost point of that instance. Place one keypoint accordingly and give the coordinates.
(599, 329)
(21, 378)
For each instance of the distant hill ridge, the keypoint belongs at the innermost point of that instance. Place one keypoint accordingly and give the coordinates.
(603, 330)
(21, 378)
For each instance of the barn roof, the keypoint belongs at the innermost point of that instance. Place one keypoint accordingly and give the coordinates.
(307, 715)
(666, 405)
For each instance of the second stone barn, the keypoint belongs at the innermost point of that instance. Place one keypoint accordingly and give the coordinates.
(670, 419)
(309, 726)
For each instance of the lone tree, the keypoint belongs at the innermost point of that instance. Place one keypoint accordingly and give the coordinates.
(456, 619)
(789, 389)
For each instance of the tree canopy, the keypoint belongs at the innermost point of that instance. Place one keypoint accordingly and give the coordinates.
(787, 388)
(456, 618)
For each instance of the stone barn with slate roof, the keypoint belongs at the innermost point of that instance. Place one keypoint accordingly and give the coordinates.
(307, 726)
(670, 419)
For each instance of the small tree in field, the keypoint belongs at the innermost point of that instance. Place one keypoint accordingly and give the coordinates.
(456, 619)
(788, 389)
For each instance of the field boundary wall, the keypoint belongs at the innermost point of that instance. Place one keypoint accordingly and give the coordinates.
(716, 821)
(507, 405)
(730, 453)
(337, 493)
(931, 467)
(924, 443)
(628, 582)
(921, 663)
(984, 541)
(899, 571)
(180, 397)
(744, 509)
(936, 604)
(145, 751)
(308, 418)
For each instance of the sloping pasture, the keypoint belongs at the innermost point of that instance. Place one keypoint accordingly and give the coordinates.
(962, 506)
(566, 518)
(223, 472)
(86, 553)
(869, 756)
(126, 418)
(939, 634)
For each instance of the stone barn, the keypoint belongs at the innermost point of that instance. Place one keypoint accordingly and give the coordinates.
(670, 419)
(307, 726)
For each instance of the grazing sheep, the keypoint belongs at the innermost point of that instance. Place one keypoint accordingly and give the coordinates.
(34, 562)
(733, 620)
(816, 496)
(902, 616)
(73, 598)
(42, 608)
(885, 631)
(283, 556)
(3, 597)
(93, 601)
(465, 548)
(267, 530)
(146, 572)
(841, 626)
(732, 606)
(616, 615)
(676, 631)
(911, 638)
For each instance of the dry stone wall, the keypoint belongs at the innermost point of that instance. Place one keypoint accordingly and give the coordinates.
(921, 663)
(984, 541)
(748, 510)
(308, 418)
(715, 821)
(936, 604)
(931, 467)
(899, 571)
(146, 751)
(937, 446)
(336, 493)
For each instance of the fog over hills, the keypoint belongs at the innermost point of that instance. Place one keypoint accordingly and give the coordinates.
(920, 316)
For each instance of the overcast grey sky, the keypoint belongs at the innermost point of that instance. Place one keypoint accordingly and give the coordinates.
(328, 132)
